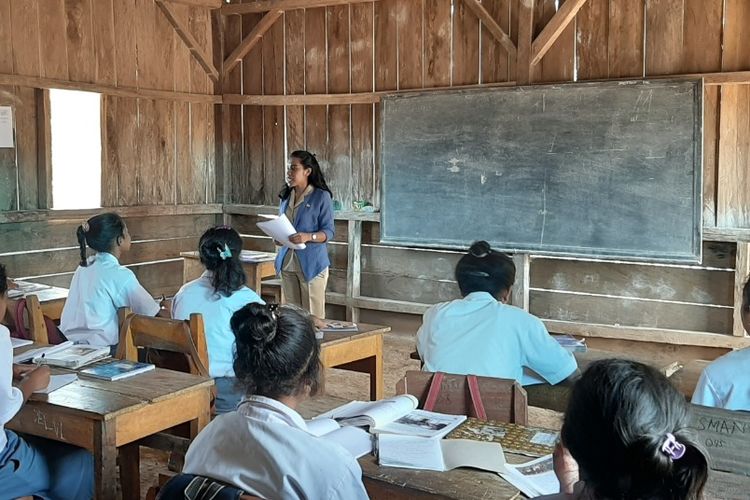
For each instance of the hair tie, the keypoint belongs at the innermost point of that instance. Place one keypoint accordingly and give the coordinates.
(226, 253)
(273, 308)
(85, 226)
(673, 448)
(480, 274)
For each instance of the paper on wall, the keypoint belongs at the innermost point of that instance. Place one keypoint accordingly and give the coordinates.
(280, 229)
(6, 127)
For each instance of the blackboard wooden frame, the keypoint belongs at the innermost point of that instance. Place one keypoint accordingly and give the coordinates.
(690, 238)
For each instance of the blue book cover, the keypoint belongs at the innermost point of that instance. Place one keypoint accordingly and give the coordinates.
(116, 370)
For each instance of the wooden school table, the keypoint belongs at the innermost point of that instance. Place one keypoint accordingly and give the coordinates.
(360, 351)
(256, 270)
(52, 298)
(391, 483)
(104, 416)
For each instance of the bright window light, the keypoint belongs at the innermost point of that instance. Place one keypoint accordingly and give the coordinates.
(76, 149)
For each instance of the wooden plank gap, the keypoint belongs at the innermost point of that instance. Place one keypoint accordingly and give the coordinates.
(251, 40)
(554, 28)
(203, 59)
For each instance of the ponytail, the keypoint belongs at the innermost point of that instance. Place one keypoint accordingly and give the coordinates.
(276, 353)
(101, 233)
(219, 249)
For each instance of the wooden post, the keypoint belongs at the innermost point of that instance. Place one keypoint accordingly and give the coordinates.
(354, 268)
(520, 292)
(44, 149)
(742, 269)
(525, 39)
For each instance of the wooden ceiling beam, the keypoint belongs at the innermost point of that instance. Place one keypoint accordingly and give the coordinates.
(489, 22)
(251, 40)
(260, 6)
(554, 29)
(210, 4)
(189, 40)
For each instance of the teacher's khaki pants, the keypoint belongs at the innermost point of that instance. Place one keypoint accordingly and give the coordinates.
(309, 295)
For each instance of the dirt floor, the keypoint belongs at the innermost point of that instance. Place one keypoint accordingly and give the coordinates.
(398, 344)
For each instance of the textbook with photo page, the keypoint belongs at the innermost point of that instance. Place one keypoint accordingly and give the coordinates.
(74, 356)
(534, 478)
(396, 415)
(356, 441)
(116, 370)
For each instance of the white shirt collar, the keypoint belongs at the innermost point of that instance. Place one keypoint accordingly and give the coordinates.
(262, 404)
(481, 296)
(104, 256)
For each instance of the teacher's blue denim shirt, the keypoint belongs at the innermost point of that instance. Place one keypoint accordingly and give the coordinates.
(313, 215)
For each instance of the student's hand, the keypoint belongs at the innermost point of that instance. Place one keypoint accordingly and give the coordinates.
(20, 371)
(566, 469)
(298, 238)
(319, 323)
(36, 379)
(12, 285)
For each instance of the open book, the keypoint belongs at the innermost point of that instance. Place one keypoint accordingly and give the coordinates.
(280, 229)
(356, 441)
(46, 351)
(535, 478)
(396, 415)
(439, 454)
(74, 356)
(339, 327)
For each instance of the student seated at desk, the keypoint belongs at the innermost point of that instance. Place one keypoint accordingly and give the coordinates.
(625, 435)
(725, 383)
(264, 447)
(217, 295)
(481, 335)
(33, 466)
(101, 286)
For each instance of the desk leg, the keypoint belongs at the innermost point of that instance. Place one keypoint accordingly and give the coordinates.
(257, 279)
(105, 461)
(204, 415)
(130, 471)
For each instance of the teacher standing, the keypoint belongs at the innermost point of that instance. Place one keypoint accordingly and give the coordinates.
(308, 204)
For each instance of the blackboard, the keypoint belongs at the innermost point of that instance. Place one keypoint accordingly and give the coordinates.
(604, 169)
(725, 435)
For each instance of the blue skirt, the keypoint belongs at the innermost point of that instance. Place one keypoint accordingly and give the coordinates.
(45, 469)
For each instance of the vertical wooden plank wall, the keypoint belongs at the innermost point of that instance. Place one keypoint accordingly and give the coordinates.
(155, 151)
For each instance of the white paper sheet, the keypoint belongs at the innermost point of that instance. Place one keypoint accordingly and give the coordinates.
(6, 127)
(280, 229)
(19, 342)
(57, 381)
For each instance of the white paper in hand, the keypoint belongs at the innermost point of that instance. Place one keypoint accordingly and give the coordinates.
(279, 228)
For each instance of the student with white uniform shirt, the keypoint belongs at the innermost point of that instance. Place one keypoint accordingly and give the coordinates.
(101, 286)
(217, 295)
(725, 383)
(481, 335)
(34, 466)
(264, 447)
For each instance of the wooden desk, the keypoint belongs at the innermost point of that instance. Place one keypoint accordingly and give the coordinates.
(103, 416)
(360, 352)
(52, 298)
(393, 483)
(255, 271)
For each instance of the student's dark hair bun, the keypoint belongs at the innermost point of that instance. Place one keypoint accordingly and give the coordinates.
(101, 232)
(480, 249)
(219, 249)
(276, 352)
(483, 269)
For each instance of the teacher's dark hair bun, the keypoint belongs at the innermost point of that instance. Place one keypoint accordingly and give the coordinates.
(480, 249)
(276, 353)
(483, 269)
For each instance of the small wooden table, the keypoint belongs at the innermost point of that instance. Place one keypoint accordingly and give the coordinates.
(255, 270)
(52, 298)
(103, 416)
(360, 351)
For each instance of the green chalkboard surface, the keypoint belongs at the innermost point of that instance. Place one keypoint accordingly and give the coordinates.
(604, 169)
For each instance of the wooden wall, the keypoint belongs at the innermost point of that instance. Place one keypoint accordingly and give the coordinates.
(399, 45)
(158, 134)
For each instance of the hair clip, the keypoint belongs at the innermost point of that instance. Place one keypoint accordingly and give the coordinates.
(672, 447)
(85, 226)
(223, 226)
(226, 253)
(480, 274)
(273, 309)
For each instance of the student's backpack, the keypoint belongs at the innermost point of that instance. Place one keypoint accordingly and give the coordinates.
(54, 335)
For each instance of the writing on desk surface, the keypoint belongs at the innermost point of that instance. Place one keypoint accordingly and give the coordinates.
(49, 425)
